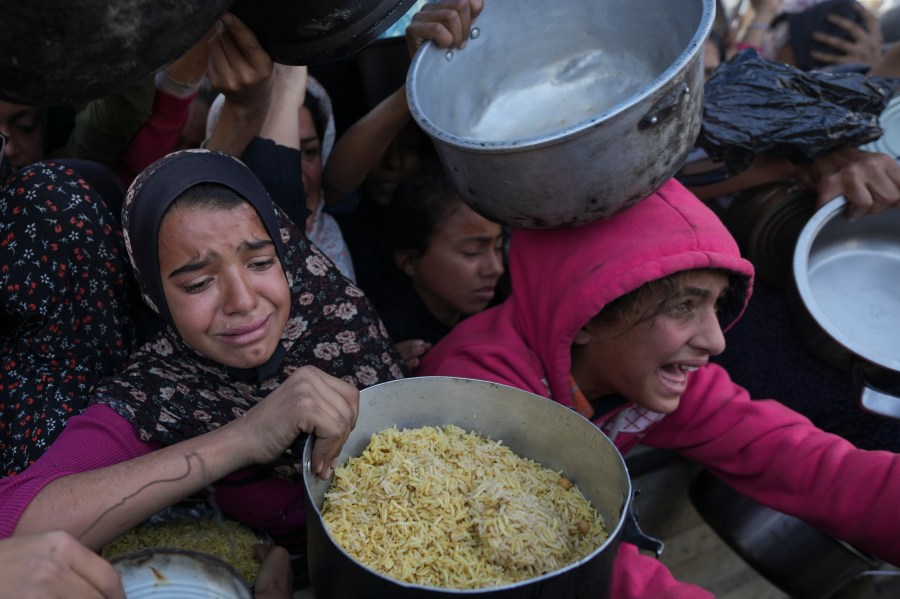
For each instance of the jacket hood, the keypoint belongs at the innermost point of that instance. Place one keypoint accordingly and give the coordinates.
(561, 278)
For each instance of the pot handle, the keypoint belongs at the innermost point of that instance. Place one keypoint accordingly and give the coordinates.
(632, 533)
(664, 107)
(879, 402)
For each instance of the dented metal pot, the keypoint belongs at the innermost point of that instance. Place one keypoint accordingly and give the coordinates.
(559, 114)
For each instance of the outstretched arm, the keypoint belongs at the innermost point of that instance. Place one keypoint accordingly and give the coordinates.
(97, 506)
(870, 181)
(242, 71)
(447, 23)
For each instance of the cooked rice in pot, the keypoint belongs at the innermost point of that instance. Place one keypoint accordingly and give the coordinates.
(448, 508)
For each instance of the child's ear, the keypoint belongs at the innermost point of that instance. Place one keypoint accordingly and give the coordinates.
(582, 337)
(405, 262)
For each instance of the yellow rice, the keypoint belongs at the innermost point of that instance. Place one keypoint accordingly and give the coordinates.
(443, 507)
(228, 540)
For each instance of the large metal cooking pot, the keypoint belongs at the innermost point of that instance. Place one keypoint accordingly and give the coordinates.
(846, 298)
(57, 52)
(67, 52)
(557, 114)
(530, 425)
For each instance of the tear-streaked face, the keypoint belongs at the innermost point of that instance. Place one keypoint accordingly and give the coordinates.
(223, 283)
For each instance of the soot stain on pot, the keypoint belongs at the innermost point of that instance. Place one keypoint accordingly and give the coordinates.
(319, 27)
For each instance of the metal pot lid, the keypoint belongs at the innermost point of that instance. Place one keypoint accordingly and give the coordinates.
(848, 277)
(161, 573)
(889, 142)
(307, 33)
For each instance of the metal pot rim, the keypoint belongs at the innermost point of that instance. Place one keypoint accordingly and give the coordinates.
(824, 215)
(430, 51)
(140, 571)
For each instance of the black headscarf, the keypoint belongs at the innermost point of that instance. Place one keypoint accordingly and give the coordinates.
(164, 181)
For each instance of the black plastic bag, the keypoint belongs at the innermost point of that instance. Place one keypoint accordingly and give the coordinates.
(753, 106)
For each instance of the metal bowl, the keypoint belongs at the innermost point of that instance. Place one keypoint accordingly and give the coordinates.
(167, 573)
(58, 53)
(558, 114)
(532, 426)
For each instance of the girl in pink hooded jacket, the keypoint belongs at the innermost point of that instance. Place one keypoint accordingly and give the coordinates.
(617, 319)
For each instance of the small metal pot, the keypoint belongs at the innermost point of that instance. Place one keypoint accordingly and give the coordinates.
(162, 573)
(559, 114)
(528, 424)
(845, 299)
(766, 222)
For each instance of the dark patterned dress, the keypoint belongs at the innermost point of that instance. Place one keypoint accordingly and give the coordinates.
(67, 305)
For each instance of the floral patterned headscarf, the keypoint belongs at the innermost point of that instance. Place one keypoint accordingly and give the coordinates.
(169, 391)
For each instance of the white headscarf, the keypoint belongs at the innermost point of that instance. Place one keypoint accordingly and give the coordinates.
(313, 87)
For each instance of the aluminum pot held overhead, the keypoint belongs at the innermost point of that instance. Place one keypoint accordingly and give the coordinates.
(845, 298)
(530, 425)
(557, 114)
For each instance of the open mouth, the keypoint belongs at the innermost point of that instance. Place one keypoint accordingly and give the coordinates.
(675, 376)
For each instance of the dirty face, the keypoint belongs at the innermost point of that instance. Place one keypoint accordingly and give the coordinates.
(650, 362)
(223, 283)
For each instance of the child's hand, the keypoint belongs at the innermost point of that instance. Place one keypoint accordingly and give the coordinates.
(864, 47)
(238, 65)
(446, 22)
(412, 350)
(870, 181)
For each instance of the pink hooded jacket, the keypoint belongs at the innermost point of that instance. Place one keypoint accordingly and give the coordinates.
(563, 278)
